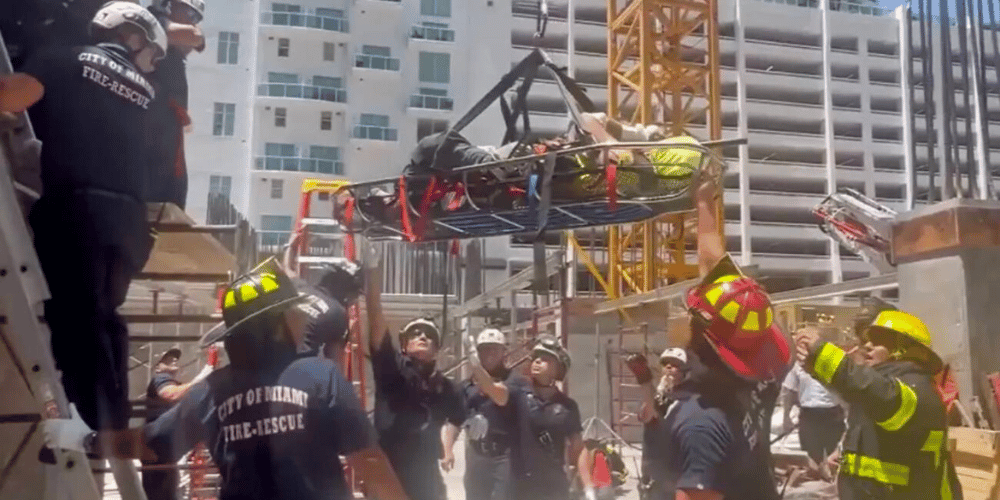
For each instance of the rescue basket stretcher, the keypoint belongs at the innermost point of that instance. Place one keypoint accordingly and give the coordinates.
(548, 191)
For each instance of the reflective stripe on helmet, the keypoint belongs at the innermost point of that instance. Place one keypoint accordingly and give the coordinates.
(907, 407)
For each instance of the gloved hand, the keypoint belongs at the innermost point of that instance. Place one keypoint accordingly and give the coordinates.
(473, 352)
(589, 493)
(66, 434)
(370, 255)
(639, 367)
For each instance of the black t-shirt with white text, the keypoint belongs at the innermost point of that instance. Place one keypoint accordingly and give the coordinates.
(275, 434)
(91, 120)
(328, 321)
(156, 405)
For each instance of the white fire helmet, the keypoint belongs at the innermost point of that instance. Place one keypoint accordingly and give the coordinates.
(114, 15)
(674, 353)
(196, 5)
(491, 336)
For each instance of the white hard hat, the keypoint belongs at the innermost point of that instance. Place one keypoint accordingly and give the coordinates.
(674, 353)
(491, 336)
(114, 15)
(197, 5)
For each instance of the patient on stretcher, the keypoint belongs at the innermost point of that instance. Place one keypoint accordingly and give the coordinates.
(433, 186)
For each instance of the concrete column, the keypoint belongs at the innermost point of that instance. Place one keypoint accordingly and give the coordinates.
(948, 277)
(867, 160)
(836, 274)
(741, 131)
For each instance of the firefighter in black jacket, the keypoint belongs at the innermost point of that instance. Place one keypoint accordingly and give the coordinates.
(896, 441)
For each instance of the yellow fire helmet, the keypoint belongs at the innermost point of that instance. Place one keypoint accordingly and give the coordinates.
(909, 326)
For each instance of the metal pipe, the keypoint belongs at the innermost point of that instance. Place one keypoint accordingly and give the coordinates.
(982, 172)
(905, 17)
(947, 106)
(927, 64)
(963, 57)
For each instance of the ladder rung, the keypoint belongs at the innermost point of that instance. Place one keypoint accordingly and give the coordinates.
(316, 259)
(317, 221)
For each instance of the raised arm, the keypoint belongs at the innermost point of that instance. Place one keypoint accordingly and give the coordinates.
(889, 400)
(377, 328)
(711, 245)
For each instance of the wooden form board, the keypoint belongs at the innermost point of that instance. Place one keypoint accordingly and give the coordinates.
(976, 454)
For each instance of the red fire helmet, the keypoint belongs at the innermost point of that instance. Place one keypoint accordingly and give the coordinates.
(739, 324)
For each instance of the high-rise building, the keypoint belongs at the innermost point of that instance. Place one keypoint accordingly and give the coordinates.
(344, 89)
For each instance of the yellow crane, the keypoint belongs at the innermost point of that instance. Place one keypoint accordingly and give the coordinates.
(663, 68)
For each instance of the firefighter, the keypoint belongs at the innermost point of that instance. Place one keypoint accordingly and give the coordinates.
(712, 442)
(897, 435)
(167, 162)
(90, 228)
(275, 422)
(490, 423)
(417, 409)
(549, 428)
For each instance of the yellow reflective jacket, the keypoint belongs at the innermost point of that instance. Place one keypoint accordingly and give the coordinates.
(895, 446)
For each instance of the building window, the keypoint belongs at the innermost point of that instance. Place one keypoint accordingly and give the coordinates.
(325, 160)
(280, 116)
(435, 67)
(375, 127)
(426, 127)
(322, 159)
(437, 32)
(329, 51)
(439, 8)
(223, 119)
(277, 188)
(279, 156)
(284, 14)
(229, 47)
(326, 120)
(283, 47)
(220, 185)
(274, 232)
(376, 57)
(431, 98)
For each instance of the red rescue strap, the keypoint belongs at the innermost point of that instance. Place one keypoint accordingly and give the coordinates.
(348, 218)
(611, 175)
(183, 119)
(404, 212)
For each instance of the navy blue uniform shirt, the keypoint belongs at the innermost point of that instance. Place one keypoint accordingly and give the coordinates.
(410, 409)
(275, 434)
(500, 419)
(155, 405)
(92, 120)
(545, 426)
(715, 436)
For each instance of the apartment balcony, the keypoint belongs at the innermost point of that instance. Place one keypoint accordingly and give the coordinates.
(299, 164)
(302, 91)
(432, 33)
(370, 61)
(431, 102)
(305, 20)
